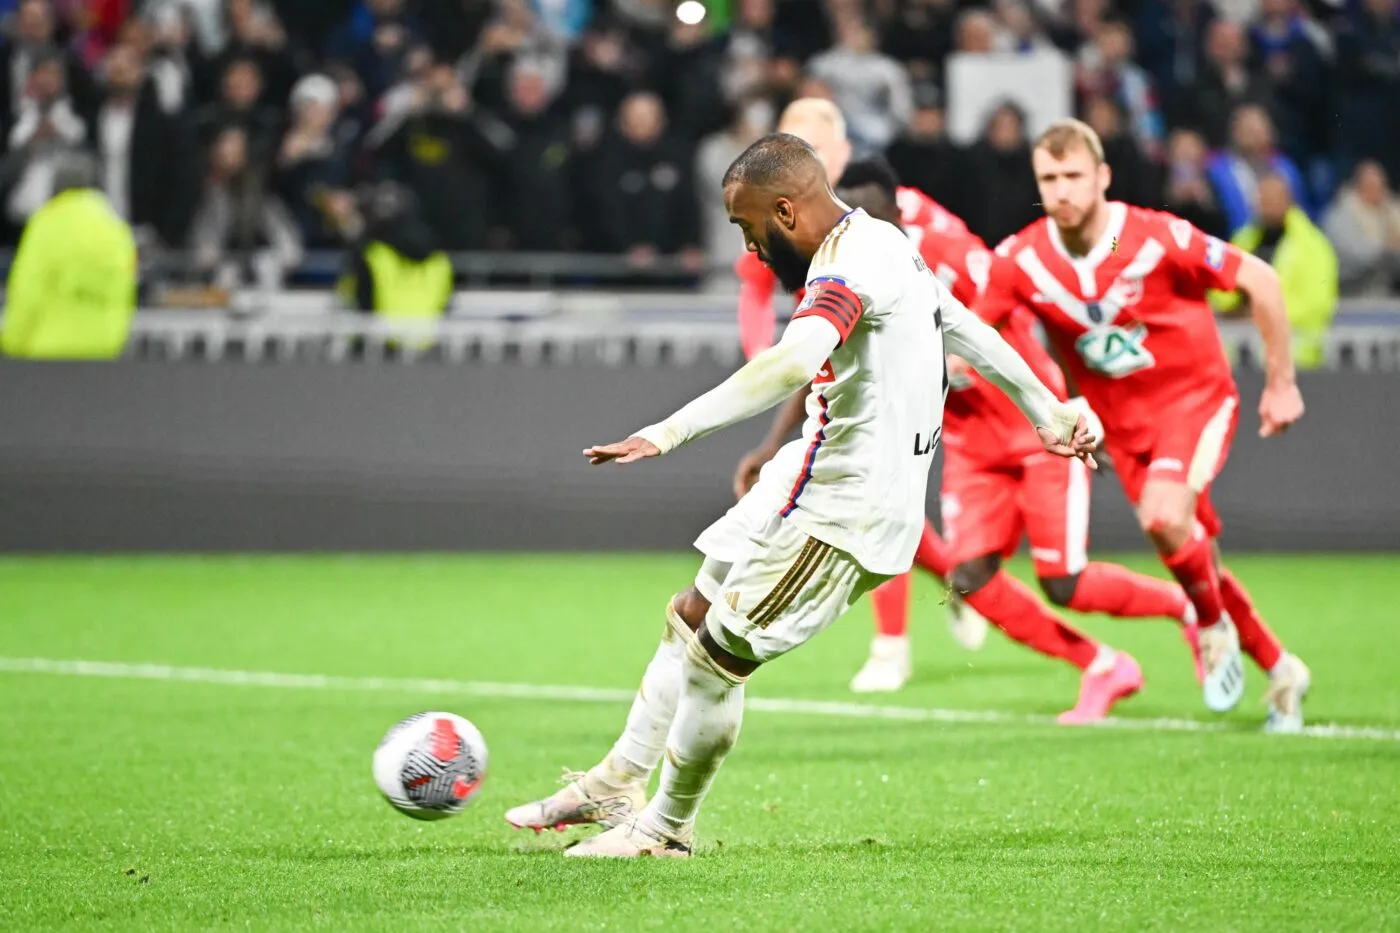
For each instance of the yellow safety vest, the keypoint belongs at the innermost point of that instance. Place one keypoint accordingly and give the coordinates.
(404, 289)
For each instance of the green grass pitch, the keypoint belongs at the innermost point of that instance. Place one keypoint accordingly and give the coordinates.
(159, 804)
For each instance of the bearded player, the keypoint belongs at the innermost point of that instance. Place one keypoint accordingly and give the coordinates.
(820, 124)
(833, 514)
(1121, 293)
(997, 486)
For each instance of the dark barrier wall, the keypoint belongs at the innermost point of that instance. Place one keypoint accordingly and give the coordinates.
(143, 456)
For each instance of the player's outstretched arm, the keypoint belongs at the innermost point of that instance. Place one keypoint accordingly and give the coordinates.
(764, 381)
(1281, 404)
(1062, 428)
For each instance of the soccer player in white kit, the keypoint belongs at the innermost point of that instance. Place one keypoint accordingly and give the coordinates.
(833, 514)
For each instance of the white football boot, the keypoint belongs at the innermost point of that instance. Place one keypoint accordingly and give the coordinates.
(1288, 686)
(966, 624)
(1224, 666)
(630, 840)
(888, 667)
(582, 800)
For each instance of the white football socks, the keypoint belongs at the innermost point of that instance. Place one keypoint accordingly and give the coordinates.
(643, 741)
(707, 723)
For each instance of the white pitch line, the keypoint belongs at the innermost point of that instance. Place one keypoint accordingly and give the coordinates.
(485, 688)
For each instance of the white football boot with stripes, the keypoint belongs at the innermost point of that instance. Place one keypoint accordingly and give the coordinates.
(887, 669)
(584, 799)
(1223, 685)
(633, 839)
(966, 624)
(1289, 682)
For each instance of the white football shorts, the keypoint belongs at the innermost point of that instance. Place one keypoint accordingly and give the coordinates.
(772, 587)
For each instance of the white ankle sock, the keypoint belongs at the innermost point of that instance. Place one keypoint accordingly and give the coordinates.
(707, 725)
(643, 741)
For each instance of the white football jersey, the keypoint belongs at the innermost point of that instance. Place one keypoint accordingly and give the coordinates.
(858, 477)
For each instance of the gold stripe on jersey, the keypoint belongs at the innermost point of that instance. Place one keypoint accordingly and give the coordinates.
(791, 585)
(826, 253)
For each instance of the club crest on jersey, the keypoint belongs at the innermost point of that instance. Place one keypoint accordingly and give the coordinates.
(807, 300)
(1215, 253)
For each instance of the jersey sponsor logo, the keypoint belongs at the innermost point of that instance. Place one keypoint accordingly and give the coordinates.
(924, 443)
(1115, 351)
(1181, 232)
(1215, 253)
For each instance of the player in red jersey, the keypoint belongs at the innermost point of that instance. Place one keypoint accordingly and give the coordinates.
(996, 487)
(1121, 292)
(821, 125)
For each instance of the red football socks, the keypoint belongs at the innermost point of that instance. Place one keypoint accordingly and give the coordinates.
(891, 602)
(1120, 592)
(1011, 606)
(1193, 565)
(1256, 638)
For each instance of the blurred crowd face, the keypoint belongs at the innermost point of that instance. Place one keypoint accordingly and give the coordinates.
(124, 70)
(1371, 185)
(1225, 44)
(529, 92)
(1274, 201)
(642, 118)
(46, 81)
(1187, 148)
(1005, 130)
(928, 124)
(976, 32)
(756, 14)
(1253, 132)
(1115, 43)
(1072, 187)
(230, 154)
(385, 9)
(242, 85)
(1102, 114)
(34, 23)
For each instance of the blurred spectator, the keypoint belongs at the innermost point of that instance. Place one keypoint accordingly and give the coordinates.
(1171, 35)
(687, 74)
(924, 158)
(1134, 177)
(647, 189)
(976, 33)
(999, 173)
(600, 76)
(374, 41)
(564, 19)
(240, 107)
(1368, 93)
(920, 35)
(436, 145)
(91, 26)
(32, 39)
(1189, 194)
(1364, 227)
(535, 202)
(312, 169)
(147, 155)
(1105, 69)
(242, 233)
(871, 88)
(749, 50)
(397, 270)
(723, 244)
(1284, 237)
(1235, 173)
(46, 127)
(168, 58)
(1075, 23)
(1291, 51)
(1020, 31)
(72, 285)
(1224, 84)
(256, 34)
(515, 35)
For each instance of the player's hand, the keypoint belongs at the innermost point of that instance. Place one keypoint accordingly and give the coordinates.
(1279, 407)
(1091, 419)
(746, 474)
(1066, 441)
(628, 451)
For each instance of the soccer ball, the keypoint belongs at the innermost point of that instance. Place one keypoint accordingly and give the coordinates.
(430, 766)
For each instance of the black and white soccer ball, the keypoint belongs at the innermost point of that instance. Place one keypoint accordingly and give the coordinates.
(430, 766)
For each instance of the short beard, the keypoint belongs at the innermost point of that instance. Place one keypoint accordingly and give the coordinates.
(784, 259)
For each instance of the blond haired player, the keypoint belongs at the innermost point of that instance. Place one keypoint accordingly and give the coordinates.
(819, 123)
(1121, 292)
(832, 515)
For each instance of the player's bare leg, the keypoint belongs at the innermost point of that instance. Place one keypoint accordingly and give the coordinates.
(1108, 675)
(613, 790)
(1167, 513)
(706, 726)
(1117, 591)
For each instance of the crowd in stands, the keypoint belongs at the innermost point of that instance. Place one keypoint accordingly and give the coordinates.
(247, 132)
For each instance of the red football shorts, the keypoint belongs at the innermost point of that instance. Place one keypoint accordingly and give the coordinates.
(1191, 446)
(1045, 498)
